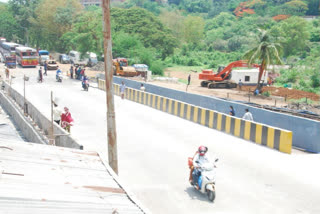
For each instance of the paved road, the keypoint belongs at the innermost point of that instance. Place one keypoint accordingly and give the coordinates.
(153, 148)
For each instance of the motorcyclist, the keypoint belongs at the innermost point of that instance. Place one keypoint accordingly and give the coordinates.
(198, 161)
(84, 79)
(58, 72)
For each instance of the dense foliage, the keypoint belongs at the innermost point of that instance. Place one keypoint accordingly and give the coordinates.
(164, 33)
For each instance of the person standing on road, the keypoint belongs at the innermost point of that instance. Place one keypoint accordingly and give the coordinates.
(57, 112)
(142, 88)
(40, 78)
(45, 66)
(71, 72)
(189, 81)
(247, 115)
(122, 89)
(232, 112)
(66, 120)
(7, 71)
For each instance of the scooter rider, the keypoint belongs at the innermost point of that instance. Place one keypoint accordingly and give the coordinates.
(84, 79)
(58, 72)
(199, 159)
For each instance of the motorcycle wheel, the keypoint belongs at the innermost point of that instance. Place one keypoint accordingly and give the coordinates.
(211, 195)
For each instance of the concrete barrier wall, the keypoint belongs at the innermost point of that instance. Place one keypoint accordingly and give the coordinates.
(62, 138)
(272, 137)
(306, 132)
(26, 128)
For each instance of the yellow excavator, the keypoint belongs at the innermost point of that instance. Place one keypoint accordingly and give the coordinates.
(121, 68)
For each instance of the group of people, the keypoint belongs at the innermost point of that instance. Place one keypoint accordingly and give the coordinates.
(246, 116)
(78, 71)
(64, 119)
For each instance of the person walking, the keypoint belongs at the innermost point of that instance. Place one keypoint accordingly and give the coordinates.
(66, 120)
(122, 89)
(142, 88)
(57, 112)
(189, 80)
(71, 72)
(40, 78)
(45, 66)
(232, 112)
(240, 84)
(247, 115)
(7, 71)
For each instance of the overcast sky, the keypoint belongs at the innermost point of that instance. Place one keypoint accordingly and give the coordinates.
(3, 0)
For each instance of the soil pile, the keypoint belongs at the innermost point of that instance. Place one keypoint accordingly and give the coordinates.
(285, 92)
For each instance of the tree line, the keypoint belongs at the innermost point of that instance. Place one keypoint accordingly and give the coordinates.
(174, 32)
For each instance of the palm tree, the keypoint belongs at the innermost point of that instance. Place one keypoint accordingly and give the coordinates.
(267, 52)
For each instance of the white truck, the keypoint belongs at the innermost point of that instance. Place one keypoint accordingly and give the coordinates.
(88, 59)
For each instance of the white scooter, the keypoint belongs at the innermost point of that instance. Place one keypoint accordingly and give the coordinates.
(59, 77)
(207, 180)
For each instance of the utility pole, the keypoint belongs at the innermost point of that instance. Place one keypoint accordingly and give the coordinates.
(111, 122)
(52, 130)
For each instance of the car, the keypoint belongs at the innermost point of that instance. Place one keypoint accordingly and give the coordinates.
(52, 65)
(64, 59)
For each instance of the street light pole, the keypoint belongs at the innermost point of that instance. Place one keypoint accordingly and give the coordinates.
(111, 122)
(52, 130)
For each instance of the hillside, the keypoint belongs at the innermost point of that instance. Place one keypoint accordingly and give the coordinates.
(172, 33)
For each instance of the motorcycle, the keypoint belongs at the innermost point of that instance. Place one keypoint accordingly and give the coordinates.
(206, 180)
(85, 85)
(59, 77)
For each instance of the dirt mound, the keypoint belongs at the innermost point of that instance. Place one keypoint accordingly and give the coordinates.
(98, 67)
(286, 92)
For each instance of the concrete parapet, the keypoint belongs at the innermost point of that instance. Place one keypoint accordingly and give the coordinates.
(62, 138)
(262, 134)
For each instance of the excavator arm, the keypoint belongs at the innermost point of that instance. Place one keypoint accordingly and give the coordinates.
(227, 70)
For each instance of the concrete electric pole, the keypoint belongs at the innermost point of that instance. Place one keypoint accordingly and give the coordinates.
(111, 122)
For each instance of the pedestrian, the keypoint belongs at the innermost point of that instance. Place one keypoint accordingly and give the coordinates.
(71, 72)
(247, 115)
(240, 84)
(232, 112)
(142, 88)
(57, 112)
(40, 78)
(189, 80)
(256, 92)
(7, 71)
(82, 73)
(66, 120)
(122, 89)
(78, 73)
(45, 66)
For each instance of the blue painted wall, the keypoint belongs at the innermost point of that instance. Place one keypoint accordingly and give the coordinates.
(306, 132)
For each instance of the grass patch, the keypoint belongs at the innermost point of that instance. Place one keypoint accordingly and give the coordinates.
(183, 81)
(302, 100)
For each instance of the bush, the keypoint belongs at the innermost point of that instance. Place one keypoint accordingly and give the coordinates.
(266, 93)
(315, 80)
(157, 68)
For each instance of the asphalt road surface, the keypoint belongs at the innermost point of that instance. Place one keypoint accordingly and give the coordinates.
(153, 148)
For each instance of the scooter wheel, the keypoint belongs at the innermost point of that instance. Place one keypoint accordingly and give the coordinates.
(211, 195)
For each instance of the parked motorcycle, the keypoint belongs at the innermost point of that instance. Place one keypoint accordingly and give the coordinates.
(59, 77)
(85, 85)
(206, 180)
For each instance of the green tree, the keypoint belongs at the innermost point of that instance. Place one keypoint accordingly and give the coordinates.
(266, 53)
(293, 34)
(23, 11)
(9, 28)
(147, 27)
(296, 7)
(193, 29)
